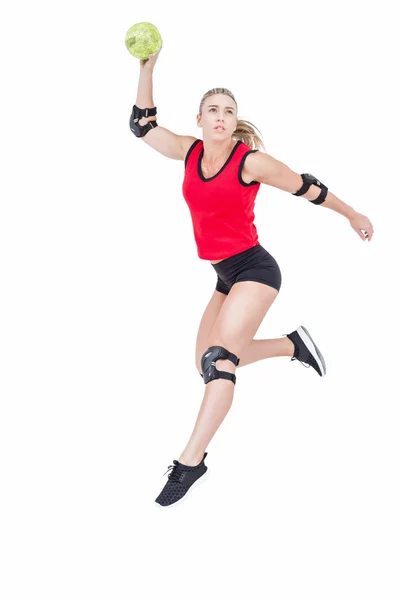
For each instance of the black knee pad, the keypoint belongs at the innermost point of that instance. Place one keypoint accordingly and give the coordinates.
(208, 364)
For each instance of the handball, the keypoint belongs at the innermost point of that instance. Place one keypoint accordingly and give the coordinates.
(143, 39)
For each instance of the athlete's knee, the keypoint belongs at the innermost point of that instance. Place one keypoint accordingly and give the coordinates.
(213, 355)
(198, 367)
(198, 362)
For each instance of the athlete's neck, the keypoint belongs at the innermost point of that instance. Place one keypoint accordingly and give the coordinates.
(217, 152)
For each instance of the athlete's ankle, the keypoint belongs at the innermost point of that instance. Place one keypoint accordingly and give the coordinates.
(290, 347)
(191, 460)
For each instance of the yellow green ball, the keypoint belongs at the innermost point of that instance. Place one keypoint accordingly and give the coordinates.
(143, 39)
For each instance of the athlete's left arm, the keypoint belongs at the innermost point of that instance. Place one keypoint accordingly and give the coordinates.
(264, 168)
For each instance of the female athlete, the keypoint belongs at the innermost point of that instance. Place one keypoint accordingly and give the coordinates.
(223, 173)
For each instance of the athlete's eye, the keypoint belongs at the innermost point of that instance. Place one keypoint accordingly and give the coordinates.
(229, 110)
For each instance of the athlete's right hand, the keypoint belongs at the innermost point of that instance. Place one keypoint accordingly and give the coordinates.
(150, 62)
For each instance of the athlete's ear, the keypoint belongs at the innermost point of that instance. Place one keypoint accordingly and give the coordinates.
(198, 117)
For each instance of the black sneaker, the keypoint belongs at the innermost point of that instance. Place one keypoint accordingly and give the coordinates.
(305, 350)
(180, 479)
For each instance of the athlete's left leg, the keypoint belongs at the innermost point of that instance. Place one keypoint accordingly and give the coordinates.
(239, 319)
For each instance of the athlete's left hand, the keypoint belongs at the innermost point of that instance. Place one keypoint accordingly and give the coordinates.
(362, 225)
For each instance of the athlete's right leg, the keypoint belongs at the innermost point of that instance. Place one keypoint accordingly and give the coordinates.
(255, 351)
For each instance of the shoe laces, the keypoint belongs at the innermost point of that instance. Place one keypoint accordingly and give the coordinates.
(301, 362)
(175, 473)
(294, 357)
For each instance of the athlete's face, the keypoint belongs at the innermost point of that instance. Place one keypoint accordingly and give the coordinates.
(218, 117)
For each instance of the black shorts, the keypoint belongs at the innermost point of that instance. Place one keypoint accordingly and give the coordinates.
(253, 264)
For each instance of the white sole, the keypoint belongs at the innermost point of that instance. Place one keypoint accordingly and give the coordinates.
(201, 479)
(307, 339)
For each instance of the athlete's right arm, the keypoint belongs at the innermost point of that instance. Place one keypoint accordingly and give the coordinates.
(164, 141)
(167, 143)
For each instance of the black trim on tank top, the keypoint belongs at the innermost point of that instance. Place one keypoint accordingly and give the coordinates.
(241, 169)
(188, 153)
(236, 146)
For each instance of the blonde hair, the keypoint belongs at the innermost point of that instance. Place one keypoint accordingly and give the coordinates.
(245, 131)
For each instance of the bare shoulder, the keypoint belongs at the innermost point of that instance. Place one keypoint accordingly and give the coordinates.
(186, 142)
(259, 166)
(252, 167)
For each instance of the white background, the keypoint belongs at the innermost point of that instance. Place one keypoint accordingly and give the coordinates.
(102, 293)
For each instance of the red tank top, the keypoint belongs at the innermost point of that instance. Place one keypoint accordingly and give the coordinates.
(222, 206)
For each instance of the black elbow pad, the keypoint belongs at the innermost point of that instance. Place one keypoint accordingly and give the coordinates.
(309, 180)
(137, 114)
